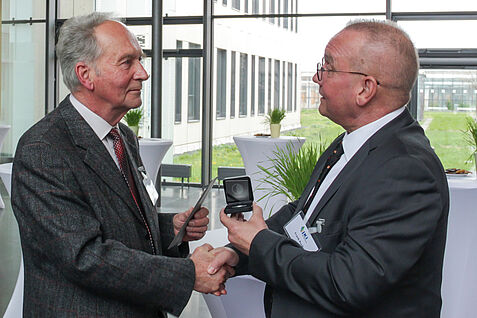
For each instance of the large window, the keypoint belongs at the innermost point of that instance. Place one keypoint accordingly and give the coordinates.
(232, 84)
(221, 82)
(252, 88)
(269, 85)
(236, 4)
(178, 88)
(271, 10)
(243, 84)
(445, 98)
(276, 85)
(261, 85)
(290, 87)
(255, 4)
(284, 69)
(193, 101)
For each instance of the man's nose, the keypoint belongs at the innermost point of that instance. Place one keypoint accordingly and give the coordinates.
(316, 80)
(141, 73)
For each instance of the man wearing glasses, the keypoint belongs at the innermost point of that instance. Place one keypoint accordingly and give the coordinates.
(376, 205)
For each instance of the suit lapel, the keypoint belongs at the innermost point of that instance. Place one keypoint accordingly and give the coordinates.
(149, 209)
(96, 155)
(345, 174)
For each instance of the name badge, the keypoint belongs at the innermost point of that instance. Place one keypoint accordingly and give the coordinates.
(296, 230)
(149, 185)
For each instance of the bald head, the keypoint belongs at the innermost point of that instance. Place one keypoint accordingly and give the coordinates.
(386, 52)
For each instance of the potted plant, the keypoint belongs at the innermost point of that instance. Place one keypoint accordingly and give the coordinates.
(132, 119)
(471, 137)
(274, 118)
(289, 170)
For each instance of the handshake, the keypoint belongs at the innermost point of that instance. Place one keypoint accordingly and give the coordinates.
(213, 266)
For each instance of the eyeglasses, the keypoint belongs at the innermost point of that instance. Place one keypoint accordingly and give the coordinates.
(320, 69)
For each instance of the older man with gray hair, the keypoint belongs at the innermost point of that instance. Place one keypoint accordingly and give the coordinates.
(93, 242)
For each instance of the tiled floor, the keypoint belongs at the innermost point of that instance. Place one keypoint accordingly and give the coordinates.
(174, 199)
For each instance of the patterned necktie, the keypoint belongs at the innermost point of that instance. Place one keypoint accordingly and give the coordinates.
(127, 176)
(330, 162)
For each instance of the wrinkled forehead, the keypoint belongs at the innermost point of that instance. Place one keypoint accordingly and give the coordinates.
(342, 48)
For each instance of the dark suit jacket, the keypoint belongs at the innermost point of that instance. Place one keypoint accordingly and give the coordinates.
(382, 242)
(85, 247)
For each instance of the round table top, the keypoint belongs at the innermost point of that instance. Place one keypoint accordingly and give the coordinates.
(154, 141)
(267, 139)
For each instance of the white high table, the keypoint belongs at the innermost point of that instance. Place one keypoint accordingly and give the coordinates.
(257, 151)
(152, 151)
(459, 281)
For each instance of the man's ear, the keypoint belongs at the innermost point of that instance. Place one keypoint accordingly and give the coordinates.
(85, 75)
(366, 91)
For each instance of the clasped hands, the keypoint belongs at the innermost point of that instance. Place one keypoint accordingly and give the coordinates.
(214, 266)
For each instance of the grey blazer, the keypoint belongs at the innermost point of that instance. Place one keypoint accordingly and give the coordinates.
(85, 247)
(383, 239)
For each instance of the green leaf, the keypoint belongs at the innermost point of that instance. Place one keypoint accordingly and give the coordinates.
(133, 117)
(288, 171)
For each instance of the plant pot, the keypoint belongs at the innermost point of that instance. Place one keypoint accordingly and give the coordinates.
(135, 129)
(275, 130)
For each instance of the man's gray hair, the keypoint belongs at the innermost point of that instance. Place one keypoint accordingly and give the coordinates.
(77, 43)
(404, 69)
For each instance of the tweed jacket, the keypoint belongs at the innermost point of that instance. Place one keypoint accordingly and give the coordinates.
(85, 246)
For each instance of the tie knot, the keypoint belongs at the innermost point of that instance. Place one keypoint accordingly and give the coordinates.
(114, 133)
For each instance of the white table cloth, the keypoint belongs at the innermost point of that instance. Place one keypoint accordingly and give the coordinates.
(3, 133)
(459, 281)
(257, 151)
(152, 151)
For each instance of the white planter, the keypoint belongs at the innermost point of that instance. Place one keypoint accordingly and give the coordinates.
(135, 129)
(275, 130)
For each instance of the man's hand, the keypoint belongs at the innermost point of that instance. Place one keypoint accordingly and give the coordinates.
(224, 256)
(197, 226)
(205, 282)
(242, 233)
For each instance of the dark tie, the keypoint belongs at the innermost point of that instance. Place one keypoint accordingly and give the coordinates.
(127, 176)
(330, 162)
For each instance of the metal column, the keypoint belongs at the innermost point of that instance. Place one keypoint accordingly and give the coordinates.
(208, 51)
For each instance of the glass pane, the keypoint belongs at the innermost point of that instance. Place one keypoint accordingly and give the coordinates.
(23, 80)
(143, 35)
(185, 33)
(445, 99)
(182, 79)
(184, 7)
(23, 9)
(431, 34)
(126, 8)
(72, 8)
(437, 5)
(342, 6)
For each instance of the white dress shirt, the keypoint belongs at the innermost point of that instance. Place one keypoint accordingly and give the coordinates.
(352, 142)
(100, 126)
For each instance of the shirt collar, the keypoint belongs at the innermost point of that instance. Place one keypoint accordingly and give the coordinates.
(354, 140)
(100, 126)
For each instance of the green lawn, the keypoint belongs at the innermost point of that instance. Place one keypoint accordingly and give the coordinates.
(444, 132)
(447, 138)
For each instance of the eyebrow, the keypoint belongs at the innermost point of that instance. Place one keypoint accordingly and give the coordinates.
(329, 59)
